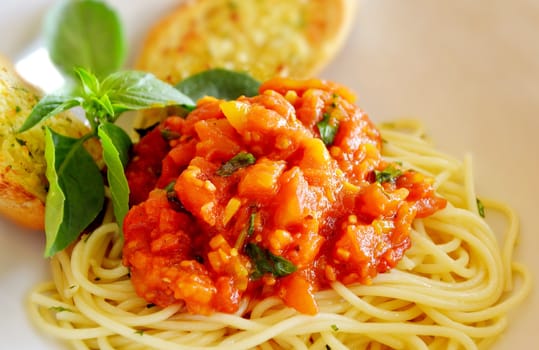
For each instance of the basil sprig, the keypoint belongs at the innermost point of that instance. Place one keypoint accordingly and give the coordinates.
(76, 187)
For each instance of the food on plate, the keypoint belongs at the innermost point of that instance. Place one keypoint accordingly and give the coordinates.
(266, 38)
(23, 185)
(267, 182)
(288, 220)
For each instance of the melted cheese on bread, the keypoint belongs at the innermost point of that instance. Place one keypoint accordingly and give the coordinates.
(265, 38)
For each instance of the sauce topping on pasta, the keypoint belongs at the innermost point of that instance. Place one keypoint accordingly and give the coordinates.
(274, 195)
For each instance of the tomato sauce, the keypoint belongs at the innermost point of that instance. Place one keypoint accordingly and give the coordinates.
(274, 195)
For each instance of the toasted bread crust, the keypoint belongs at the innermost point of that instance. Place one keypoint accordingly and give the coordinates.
(21, 206)
(265, 38)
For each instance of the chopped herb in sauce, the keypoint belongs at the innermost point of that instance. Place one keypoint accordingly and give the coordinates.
(251, 228)
(169, 135)
(265, 261)
(170, 187)
(389, 174)
(172, 197)
(246, 232)
(240, 160)
(328, 128)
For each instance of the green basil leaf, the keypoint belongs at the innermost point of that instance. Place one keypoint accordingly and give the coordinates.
(265, 261)
(133, 90)
(281, 266)
(389, 174)
(240, 160)
(104, 104)
(85, 33)
(219, 83)
(328, 128)
(47, 107)
(259, 258)
(76, 192)
(89, 82)
(116, 144)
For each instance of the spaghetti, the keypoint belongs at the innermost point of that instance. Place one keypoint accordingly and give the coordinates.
(452, 290)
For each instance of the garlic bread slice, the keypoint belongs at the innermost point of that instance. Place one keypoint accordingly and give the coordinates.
(23, 185)
(265, 38)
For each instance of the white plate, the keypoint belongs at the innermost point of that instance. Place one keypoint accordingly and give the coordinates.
(468, 69)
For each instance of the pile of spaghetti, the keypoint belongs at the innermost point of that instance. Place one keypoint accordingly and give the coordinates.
(288, 220)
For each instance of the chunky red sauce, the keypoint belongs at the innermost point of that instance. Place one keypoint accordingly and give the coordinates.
(314, 213)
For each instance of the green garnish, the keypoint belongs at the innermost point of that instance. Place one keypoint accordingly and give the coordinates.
(240, 160)
(389, 174)
(334, 327)
(265, 261)
(169, 135)
(328, 128)
(172, 197)
(76, 193)
(116, 144)
(219, 83)
(246, 232)
(170, 187)
(139, 332)
(251, 228)
(76, 190)
(60, 309)
(85, 33)
(480, 207)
